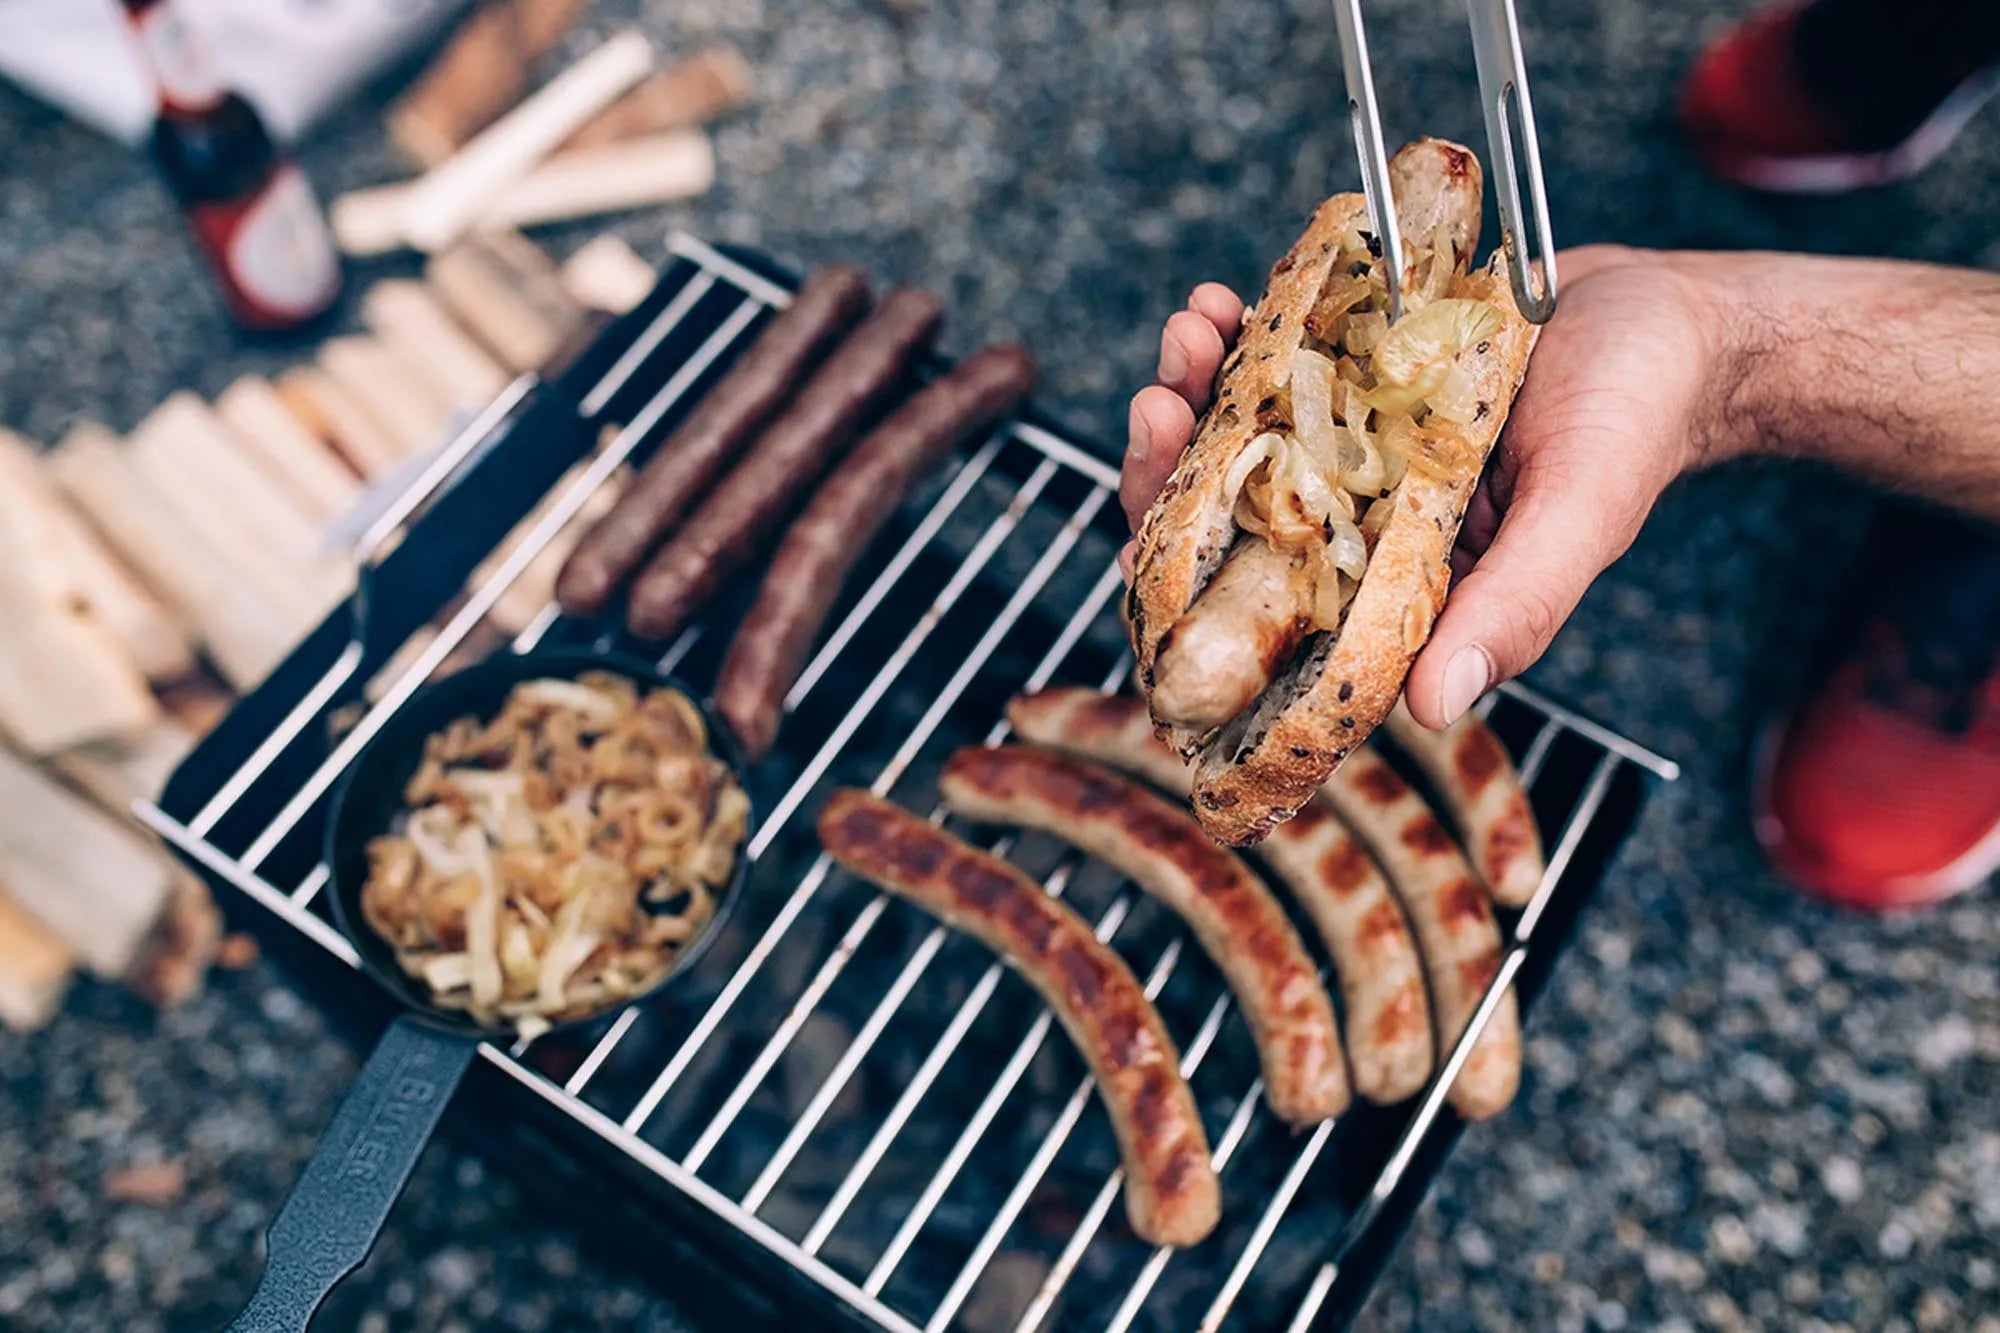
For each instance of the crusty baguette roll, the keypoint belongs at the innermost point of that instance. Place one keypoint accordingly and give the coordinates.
(1367, 515)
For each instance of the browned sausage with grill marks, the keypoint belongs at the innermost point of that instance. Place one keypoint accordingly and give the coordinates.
(689, 460)
(1232, 913)
(1453, 918)
(1171, 1193)
(842, 518)
(812, 431)
(1480, 786)
(1329, 874)
(1228, 647)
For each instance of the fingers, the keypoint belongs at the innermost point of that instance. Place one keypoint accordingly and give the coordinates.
(1161, 421)
(1191, 352)
(1220, 307)
(1159, 425)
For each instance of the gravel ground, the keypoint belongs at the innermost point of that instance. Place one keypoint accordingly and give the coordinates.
(1742, 1111)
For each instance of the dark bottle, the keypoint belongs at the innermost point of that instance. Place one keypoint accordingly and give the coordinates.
(250, 208)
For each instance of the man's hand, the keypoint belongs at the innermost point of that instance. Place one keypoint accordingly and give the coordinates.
(1625, 391)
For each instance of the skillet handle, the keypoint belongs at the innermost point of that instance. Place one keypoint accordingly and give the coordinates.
(330, 1221)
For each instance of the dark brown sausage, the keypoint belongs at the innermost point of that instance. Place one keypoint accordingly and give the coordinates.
(1236, 919)
(688, 462)
(807, 436)
(1171, 1193)
(836, 527)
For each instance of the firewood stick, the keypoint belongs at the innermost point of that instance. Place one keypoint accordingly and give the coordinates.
(35, 967)
(173, 960)
(480, 73)
(184, 452)
(65, 677)
(244, 630)
(116, 773)
(414, 412)
(305, 465)
(409, 320)
(577, 183)
(196, 702)
(84, 875)
(452, 194)
(687, 94)
(505, 291)
(151, 633)
(609, 178)
(607, 274)
(346, 423)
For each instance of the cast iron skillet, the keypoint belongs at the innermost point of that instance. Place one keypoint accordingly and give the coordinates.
(366, 1153)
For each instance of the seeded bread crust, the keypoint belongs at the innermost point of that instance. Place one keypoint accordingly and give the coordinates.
(1187, 532)
(1262, 766)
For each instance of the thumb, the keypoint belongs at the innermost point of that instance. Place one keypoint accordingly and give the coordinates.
(1561, 529)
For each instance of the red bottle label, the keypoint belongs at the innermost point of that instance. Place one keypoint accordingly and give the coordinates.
(273, 252)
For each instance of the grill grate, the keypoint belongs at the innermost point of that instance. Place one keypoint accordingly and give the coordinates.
(867, 1103)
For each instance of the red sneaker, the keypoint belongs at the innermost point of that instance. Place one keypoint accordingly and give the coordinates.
(1838, 95)
(1883, 790)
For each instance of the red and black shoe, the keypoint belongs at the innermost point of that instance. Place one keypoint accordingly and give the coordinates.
(1836, 95)
(1883, 790)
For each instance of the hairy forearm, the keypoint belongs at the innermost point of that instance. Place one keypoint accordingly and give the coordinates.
(1886, 369)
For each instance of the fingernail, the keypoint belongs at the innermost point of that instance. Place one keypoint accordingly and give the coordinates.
(1173, 362)
(1139, 434)
(1468, 675)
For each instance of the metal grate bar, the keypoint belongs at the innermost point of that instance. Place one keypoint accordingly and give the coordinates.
(1062, 451)
(1267, 1226)
(1594, 792)
(836, 963)
(864, 1040)
(310, 886)
(650, 338)
(680, 648)
(989, 1106)
(1537, 752)
(933, 521)
(1600, 736)
(255, 886)
(316, 701)
(989, 543)
(745, 279)
(700, 1191)
(919, 734)
(601, 1051)
(1315, 1297)
(482, 599)
(537, 629)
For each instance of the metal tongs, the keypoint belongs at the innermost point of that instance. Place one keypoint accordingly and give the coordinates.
(1503, 93)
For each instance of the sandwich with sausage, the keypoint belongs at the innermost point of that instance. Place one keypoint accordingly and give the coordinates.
(1295, 562)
